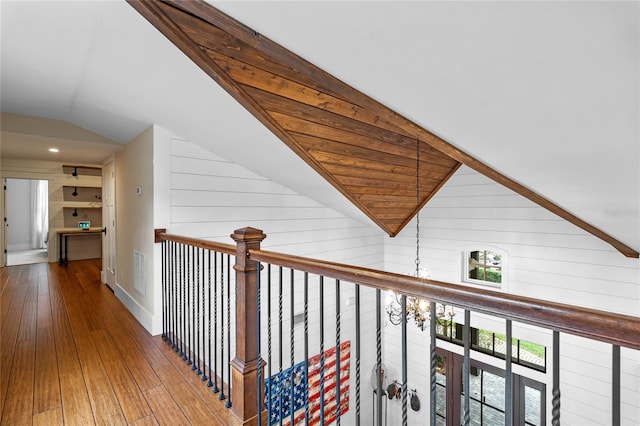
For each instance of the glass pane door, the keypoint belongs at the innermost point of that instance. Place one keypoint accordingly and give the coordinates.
(486, 398)
(441, 389)
(532, 402)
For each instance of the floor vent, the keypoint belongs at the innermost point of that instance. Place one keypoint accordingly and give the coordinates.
(139, 279)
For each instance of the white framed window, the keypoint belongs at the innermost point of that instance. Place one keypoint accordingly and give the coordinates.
(484, 266)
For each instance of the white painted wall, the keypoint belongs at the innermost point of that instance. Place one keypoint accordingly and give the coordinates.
(18, 214)
(548, 258)
(161, 203)
(142, 205)
(134, 226)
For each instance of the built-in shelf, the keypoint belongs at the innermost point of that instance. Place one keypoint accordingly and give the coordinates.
(79, 193)
(82, 205)
(76, 170)
(84, 186)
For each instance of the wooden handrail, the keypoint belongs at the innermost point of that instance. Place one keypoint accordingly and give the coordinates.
(608, 327)
(617, 329)
(161, 235)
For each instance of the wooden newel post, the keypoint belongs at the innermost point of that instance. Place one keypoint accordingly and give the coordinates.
(245, 366)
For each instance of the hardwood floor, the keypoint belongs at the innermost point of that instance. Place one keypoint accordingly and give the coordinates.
(71, 353)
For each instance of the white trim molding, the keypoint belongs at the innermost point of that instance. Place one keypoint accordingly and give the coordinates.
(146, 319)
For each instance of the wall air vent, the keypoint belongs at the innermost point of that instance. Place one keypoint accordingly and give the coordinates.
(139, 278)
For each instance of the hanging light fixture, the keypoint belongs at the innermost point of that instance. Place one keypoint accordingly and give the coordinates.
(416, 308)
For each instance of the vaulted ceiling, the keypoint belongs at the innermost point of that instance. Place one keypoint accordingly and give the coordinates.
(544, 92)
(387, 165)
(355, 143)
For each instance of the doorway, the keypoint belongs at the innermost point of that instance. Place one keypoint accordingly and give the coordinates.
(26, 221)
(109, 224)
(487, 397)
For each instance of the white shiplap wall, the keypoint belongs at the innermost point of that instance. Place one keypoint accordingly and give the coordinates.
(211, 197)
(547, 258)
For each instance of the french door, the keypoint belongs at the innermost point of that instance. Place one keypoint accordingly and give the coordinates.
(487, 399)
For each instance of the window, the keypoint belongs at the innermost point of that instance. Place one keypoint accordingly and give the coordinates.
(483, 267)
(527, 354)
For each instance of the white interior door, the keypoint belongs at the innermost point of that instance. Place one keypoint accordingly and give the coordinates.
(109, 224)
(3, 232)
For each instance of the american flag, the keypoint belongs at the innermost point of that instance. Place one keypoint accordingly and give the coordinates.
(278, 390)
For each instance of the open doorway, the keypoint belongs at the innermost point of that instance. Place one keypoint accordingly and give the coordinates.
(27, 221)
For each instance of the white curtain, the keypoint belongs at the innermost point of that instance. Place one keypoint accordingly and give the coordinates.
(40, 214)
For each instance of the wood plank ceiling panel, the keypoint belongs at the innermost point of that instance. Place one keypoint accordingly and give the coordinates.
(364, 149)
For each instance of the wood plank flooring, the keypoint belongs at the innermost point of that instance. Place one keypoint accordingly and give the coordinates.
(71, 353)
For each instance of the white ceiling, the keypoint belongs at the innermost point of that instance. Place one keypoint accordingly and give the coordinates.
(28, 137)
(545, 92)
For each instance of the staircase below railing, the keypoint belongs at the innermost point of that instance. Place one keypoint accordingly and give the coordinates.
(304, 333)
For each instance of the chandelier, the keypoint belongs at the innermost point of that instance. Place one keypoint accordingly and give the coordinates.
(417, 309)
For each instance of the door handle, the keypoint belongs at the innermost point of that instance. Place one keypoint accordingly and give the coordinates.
(104, 230)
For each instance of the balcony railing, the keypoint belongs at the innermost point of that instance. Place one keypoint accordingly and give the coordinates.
(291, 340)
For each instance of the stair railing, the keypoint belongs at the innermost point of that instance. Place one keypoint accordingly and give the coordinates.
(262, 277)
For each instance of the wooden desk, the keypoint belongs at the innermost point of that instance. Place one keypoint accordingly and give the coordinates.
(64, 234)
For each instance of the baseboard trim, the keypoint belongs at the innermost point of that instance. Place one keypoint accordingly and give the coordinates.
(143, 316)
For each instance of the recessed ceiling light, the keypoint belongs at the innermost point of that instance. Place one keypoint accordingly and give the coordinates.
(54, 150)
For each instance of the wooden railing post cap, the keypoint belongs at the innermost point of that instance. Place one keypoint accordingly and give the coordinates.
(157, 234)
(248, 234)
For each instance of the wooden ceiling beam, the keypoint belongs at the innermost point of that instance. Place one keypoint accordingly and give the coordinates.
(293, 97)
(158, 14)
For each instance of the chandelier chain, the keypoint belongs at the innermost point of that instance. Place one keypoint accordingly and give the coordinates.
(400, 309)
(417, 207)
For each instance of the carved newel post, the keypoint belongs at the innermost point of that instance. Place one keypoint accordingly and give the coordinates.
(246, 364)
